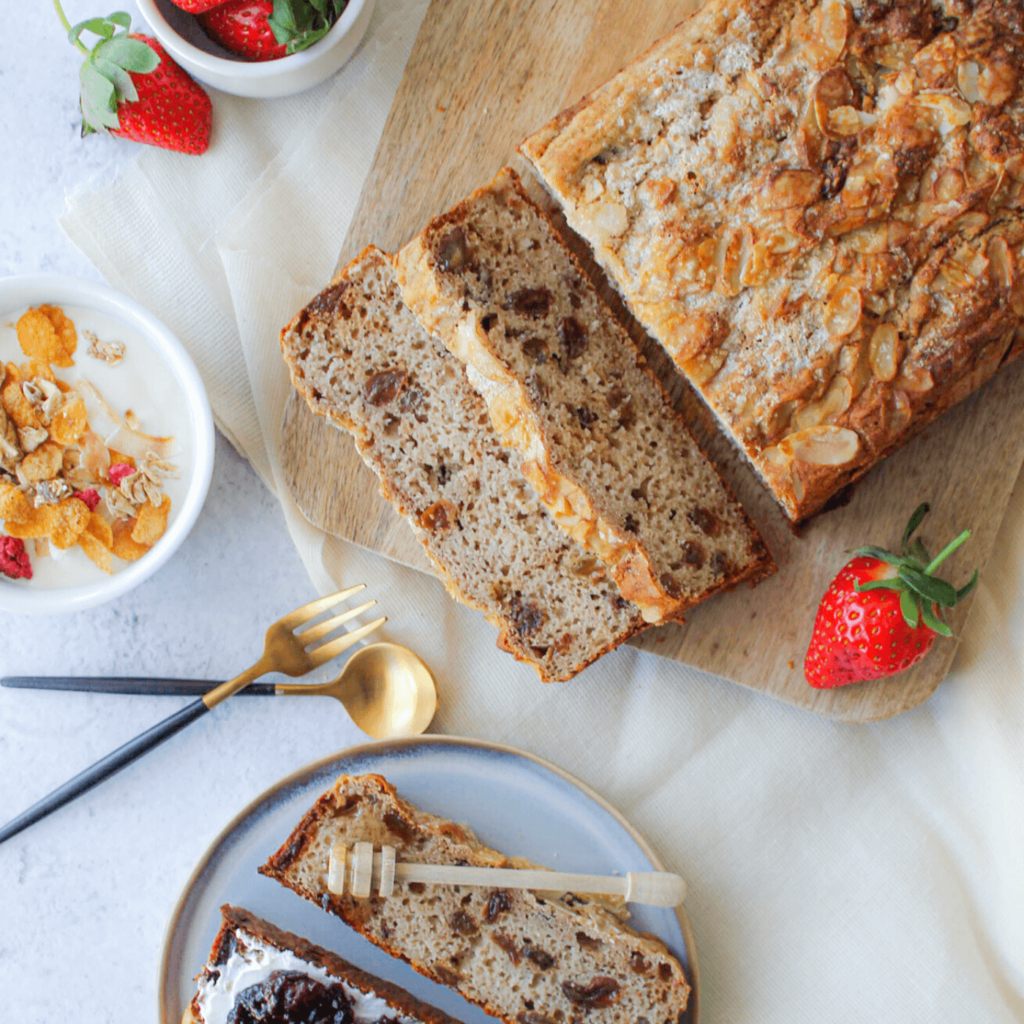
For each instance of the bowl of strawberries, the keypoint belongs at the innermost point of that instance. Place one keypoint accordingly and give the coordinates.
(259, 48)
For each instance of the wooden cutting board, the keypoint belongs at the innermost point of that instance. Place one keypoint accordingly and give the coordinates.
(481, 77)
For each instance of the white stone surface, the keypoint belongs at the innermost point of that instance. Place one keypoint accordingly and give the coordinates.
(70, 886)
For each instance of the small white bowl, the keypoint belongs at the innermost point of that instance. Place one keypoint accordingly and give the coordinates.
(182, 37)
(17, 294)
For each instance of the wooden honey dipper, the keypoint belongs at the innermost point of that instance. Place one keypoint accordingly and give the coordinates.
(364, 869)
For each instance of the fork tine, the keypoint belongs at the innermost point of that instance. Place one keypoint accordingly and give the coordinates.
(321, 629)
(332, 648)
(314, 608)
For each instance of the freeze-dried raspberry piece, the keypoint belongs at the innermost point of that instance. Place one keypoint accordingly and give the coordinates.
(14, 559)
(90, 496)
(118, 471)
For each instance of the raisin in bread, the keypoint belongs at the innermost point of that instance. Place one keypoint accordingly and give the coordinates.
(816, 207)
(566, 386)
(258, 972)
(361, 358)
(524, 958)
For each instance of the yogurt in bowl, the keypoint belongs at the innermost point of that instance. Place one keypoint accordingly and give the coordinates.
(159, 384)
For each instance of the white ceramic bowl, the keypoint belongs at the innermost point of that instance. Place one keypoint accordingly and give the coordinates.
(18, 293)
(181, 36)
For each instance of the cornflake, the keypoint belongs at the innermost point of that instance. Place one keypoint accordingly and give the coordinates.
(46, 333)
(61, 484)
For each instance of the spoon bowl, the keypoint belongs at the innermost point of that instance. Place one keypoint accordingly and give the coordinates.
(387, 690)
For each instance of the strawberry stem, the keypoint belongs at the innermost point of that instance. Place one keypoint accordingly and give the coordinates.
(920, 592)
(947, 551)
(67, 26)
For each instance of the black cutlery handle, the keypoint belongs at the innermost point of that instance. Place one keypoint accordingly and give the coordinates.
(100, 684)
(104, 768)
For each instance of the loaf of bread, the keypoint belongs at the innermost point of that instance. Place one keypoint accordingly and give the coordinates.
(259, 974)
(565, 385)
(360, 358)
(524, 958)
(815, 207)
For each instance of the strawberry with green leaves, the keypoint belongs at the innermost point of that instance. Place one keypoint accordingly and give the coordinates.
(882, 612)
(270, 29)
(132, 89)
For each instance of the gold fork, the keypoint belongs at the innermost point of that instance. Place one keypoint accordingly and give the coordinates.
(285, 650)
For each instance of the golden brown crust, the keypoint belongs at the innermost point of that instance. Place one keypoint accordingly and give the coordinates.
(815, 206)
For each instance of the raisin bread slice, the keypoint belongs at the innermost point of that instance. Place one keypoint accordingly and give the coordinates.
(522, 957)
(361, 358)
(565, 385)
(259, 972)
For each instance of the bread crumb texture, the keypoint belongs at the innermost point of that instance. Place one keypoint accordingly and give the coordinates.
(361, 358)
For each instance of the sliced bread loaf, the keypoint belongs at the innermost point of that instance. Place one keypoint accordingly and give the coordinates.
(361, 358)
(523, 957)
(258, 972)
(565, 385)
(815, 206)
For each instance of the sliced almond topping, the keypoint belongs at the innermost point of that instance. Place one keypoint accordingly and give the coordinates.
(915, 379)
(843, 312)
(604, 219)
(948, 185)
(822, 446)
(830, 41)
(967, 80)
(732, 254)
(690, 337)
(831, 405)
(949, 112)
(885, 352)
(900, 413)
(790, 187)
(849, 120)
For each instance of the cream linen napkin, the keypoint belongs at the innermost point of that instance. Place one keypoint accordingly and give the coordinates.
(836, 873)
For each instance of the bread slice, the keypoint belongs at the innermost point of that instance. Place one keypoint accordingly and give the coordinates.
(566, 386)
(522, 957)
(361, 358)
(815, 207)
(257, 971)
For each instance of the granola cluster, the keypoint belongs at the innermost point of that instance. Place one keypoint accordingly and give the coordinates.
(62, 484)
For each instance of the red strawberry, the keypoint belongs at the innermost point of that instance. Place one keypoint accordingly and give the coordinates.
(131, 88)
(270, 29)
(242, 26)
(171, 111)
(196, 6)
(881, 614)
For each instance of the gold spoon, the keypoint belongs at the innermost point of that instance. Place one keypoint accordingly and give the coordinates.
(386, 689)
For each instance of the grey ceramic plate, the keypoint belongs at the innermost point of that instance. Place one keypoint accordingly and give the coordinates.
(513, 801)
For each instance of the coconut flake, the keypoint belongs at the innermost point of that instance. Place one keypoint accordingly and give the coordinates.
(102, 419)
